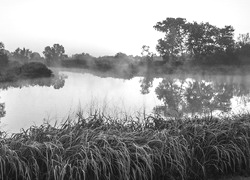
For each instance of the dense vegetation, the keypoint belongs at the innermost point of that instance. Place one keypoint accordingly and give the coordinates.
(25, 71)
(22, 69)
(102, 147)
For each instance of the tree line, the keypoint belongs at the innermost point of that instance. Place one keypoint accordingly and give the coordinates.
(201, 43)
(183, 42)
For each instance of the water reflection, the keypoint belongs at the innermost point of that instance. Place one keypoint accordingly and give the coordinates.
(193, 97)
(2, 110)
(171, 95)
(146, 83)
(57, 82)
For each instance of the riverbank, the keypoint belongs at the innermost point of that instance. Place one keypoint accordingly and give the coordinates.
(102, 147)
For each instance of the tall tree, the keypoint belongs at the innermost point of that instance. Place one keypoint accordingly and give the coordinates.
(194, 40)
(243, 39)
(54, 54)
(243, 48)
(172, 44)
(3, 56)
(201, 38)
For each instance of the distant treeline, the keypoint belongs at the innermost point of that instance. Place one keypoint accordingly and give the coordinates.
(184, 44)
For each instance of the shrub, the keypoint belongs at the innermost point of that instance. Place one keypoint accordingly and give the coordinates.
(35, 70)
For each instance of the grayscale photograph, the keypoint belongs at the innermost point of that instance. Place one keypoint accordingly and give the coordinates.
(124, 90)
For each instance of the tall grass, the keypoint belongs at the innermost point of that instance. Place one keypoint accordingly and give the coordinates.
(102, 147)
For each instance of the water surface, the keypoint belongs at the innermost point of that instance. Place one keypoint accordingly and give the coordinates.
(27, 103)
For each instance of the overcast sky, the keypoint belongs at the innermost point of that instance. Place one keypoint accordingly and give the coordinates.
(105, 27)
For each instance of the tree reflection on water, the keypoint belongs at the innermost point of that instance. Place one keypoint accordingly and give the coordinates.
(57, 82)
(187, 96)
(146, 83)
(2, 110)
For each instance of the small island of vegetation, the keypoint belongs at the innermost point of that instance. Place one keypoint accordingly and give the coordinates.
(14, 70)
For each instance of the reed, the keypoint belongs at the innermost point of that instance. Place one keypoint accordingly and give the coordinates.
(103, 147)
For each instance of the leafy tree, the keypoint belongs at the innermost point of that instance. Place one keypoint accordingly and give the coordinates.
(35, 56)
(172, 44)
(243, 48)
(54, 54)
(3, 56)
(23, 55)
(225, 40)
(243, 39)
(201, 39)
(120, 55)
(148, 55)
(194, 40)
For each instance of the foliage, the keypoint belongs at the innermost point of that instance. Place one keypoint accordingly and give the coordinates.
(35, 56)
(1, 46)
(201, 42)
(173, 43)
(4, 60)
(24, 55)
(243, 48)
(24, 71)
(79, 60)
(54, 54)
(104, 63)
(34, 70)
(148, 55)
(243, 40)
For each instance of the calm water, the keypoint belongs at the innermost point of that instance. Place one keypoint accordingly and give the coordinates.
(27, 103)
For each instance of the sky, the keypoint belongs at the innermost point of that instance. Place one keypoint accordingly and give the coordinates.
(106, 27)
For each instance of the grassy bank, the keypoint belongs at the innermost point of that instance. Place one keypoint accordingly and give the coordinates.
(101, 147)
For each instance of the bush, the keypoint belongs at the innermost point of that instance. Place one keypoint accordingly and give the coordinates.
(35, 70)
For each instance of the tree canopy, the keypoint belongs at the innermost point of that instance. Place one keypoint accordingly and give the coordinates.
(3, 56)
(22, 54)
(193, 40)
(54, 54)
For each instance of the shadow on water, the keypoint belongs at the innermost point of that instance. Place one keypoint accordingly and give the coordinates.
(181, 96)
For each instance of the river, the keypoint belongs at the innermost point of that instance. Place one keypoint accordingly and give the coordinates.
(32, 102)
